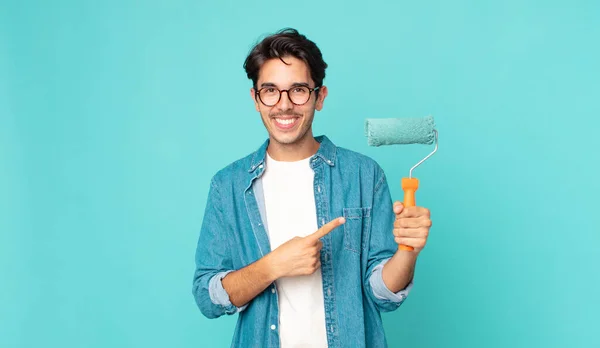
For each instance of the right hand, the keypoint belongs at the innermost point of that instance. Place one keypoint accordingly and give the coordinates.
(301, 255)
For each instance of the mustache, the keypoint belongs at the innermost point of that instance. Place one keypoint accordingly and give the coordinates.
(286, 113)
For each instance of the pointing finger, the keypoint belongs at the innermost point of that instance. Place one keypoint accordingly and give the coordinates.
(328, 227)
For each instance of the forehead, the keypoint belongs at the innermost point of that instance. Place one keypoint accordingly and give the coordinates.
(277, 72)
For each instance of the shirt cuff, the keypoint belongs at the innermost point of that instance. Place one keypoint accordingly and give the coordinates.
(381, 291)
(219, 296)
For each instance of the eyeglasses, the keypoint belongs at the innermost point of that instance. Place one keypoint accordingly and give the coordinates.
(298, 95)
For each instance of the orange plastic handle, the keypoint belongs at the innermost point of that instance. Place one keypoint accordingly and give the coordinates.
(410, 186)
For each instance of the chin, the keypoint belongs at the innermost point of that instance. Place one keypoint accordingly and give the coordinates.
(286, 140)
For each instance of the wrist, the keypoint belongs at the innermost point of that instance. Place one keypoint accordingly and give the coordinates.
(270, 266)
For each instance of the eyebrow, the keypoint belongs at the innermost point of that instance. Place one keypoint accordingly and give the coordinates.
(295, 84)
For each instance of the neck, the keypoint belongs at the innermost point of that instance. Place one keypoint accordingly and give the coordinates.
(304, 148)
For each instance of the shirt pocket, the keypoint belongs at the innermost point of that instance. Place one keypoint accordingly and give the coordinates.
(356, 228)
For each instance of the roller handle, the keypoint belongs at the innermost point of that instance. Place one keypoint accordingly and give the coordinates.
(410, 186)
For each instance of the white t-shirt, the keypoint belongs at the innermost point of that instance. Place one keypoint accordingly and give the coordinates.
(290, 212)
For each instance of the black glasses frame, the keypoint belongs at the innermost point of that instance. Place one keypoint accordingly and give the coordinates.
(310, 90)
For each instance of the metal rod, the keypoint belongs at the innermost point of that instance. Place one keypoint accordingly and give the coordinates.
(423, 160)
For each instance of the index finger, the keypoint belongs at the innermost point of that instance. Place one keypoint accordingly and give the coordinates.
(328, 227)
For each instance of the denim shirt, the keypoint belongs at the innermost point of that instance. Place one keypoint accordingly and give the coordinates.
(233, 235)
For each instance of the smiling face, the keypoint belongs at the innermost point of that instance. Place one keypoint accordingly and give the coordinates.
(289, 125)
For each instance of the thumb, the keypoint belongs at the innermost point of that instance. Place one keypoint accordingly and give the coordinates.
(398, 207)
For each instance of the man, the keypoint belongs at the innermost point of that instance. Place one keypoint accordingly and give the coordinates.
(300, 237)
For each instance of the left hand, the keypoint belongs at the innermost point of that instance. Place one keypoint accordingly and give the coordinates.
(411, 226)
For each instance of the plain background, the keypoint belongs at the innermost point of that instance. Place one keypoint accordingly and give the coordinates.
(114, 116)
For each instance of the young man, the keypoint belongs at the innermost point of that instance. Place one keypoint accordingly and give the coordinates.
(300, 237)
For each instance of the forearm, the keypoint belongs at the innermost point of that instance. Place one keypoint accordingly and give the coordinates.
(245, 284)
(398, 272)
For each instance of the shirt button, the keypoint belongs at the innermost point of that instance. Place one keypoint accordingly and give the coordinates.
(322, 221)
(273, 290)
(329, 292)
(272, 327)
(318, 188)
(260, 166)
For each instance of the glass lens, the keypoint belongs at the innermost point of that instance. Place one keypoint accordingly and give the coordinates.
(299, 95)
(269, 96)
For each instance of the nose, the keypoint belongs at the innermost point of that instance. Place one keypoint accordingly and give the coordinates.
(284, 102)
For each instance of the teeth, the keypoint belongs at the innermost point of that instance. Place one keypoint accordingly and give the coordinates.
(286, 121)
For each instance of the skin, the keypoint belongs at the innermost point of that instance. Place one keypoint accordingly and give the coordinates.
(297, 143)
(301, 256)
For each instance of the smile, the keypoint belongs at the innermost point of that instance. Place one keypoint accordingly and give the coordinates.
(286, 123)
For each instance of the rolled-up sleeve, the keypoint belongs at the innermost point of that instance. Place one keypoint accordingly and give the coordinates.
(219, 296)
(213, 260)
(381, 291)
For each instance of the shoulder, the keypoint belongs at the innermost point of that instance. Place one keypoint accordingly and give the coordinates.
(350, 158)
(236, 169)
(240, 169)
(364, 168)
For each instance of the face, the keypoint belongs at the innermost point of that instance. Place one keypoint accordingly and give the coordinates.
(286, 122)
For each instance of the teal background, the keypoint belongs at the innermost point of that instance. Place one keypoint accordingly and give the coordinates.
(114, 115)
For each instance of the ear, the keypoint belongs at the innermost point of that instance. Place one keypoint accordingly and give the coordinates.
(321, 98)
(253, 96)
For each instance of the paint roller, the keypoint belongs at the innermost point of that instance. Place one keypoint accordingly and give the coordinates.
(402, 131)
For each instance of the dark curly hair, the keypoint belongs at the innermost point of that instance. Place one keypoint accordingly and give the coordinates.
(286, 42)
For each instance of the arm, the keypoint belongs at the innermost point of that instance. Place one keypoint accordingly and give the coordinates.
(218, 289)
(247, 283)
(398, 272)
(387, 285)
(381, 248)
(411, 228)
(213, 260)
(296, 257)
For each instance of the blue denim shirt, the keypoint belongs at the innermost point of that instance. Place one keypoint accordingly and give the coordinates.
(234, 235)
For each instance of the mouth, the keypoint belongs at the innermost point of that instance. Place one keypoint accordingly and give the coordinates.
(285, 123)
